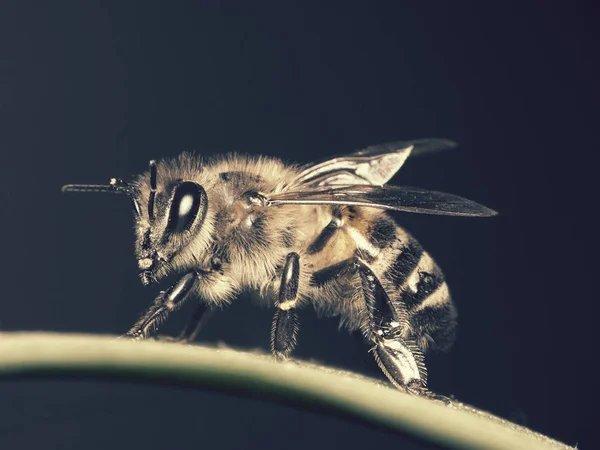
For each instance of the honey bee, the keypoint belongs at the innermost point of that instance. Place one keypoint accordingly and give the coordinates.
(317, 234)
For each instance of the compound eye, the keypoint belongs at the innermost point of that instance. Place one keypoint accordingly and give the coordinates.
(189, 200)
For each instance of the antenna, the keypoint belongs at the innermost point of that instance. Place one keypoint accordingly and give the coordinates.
(152, 190)
(116, 186)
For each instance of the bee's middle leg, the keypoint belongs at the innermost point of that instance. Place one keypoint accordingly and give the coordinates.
(284, 331)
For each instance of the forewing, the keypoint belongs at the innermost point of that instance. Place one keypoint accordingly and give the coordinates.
(398, 198)
(374, 165)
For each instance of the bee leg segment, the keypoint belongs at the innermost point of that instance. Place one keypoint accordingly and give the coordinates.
(199, 318)
(399, 358)
(284, 331)
(166, 302)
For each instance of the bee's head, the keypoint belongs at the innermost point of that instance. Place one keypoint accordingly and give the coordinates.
(171, 226)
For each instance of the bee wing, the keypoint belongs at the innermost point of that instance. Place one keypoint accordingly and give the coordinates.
(398, 198)
(375, 165)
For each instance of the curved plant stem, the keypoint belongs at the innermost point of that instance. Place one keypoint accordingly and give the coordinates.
(297, 383)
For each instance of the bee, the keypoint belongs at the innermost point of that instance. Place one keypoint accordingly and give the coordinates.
(316, 234)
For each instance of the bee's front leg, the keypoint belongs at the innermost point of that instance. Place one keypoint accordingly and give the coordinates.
(201, 314)
(167, 301)
(284, 331)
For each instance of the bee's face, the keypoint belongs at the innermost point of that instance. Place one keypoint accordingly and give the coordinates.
(172, 228)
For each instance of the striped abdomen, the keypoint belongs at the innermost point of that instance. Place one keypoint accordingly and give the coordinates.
(410, 277)
(414, 279)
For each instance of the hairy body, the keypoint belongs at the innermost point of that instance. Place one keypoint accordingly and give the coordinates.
(313, 235)
(251, 243)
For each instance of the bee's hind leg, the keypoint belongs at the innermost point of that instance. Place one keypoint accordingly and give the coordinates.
(284, 331)
(399, 358)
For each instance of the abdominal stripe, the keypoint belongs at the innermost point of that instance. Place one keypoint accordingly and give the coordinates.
(416, 276)
(382, 232)
(431, 291)
(435, 324)
(424, 284)
(327, 233)
(405, 261)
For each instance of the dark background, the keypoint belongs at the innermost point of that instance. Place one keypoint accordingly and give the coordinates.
(92, 90)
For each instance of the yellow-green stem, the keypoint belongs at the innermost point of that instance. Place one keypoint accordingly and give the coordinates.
(297, 383)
